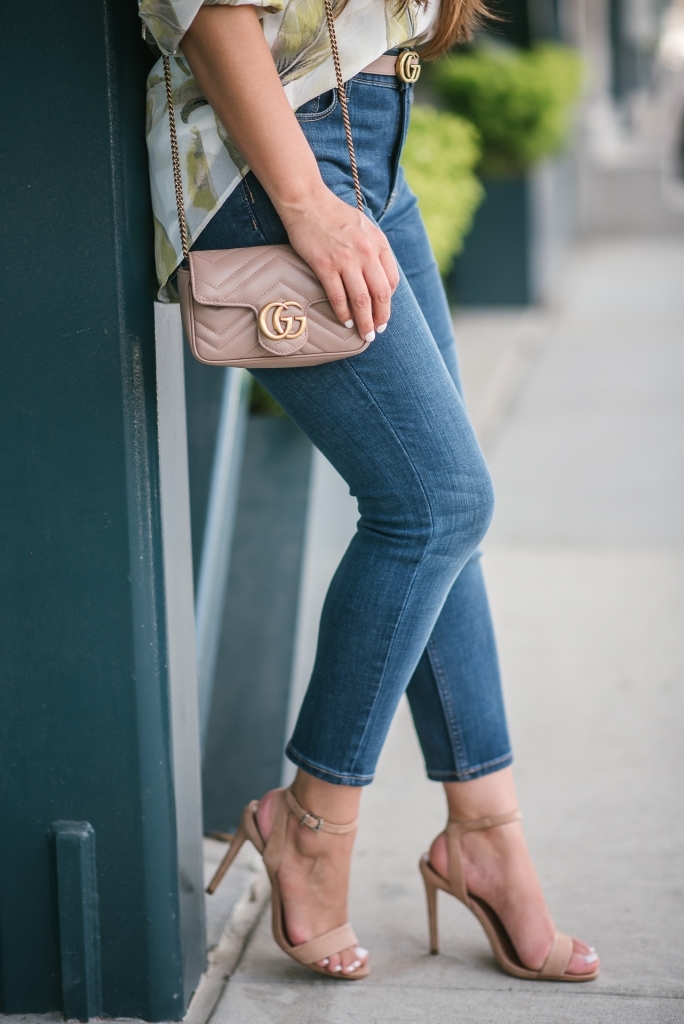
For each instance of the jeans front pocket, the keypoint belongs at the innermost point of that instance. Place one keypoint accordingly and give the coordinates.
(317, 108)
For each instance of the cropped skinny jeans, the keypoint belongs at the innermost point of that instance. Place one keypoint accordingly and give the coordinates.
(407, 609)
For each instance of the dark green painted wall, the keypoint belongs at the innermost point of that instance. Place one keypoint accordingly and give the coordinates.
(84, 721)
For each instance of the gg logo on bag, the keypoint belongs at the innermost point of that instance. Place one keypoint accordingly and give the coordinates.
(407, 66)
(282, 327)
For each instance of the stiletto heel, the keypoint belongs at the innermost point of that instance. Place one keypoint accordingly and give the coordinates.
(306, 953)
(556, 964)
(431, 897)
(231, 853)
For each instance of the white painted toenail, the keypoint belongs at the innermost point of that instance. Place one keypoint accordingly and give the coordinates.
(326, 961)
(352, 967)
(381, 328)
(370, 336)
(592, 949)
(360, 951)
(591, 958)
(338, 968)
(348, 323)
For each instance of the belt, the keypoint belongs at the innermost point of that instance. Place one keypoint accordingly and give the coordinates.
(405, 66)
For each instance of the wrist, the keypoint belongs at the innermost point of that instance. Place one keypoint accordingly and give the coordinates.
(303, 200)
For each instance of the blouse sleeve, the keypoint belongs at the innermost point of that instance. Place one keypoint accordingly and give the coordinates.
(169, 20)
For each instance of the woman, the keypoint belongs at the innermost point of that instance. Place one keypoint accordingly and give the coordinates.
(407, 608)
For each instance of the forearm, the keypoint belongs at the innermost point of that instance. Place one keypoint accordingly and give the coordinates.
(229, 57)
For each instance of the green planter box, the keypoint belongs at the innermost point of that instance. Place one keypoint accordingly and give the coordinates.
(496, 267)
(514, 254)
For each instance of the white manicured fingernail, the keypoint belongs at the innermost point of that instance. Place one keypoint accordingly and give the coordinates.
(326, 961)
(591, 958)
(348, 323)
(381, 328)
(338, 968)
(360, 951)
(370, 337)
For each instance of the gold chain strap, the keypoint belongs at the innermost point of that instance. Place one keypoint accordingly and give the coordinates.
(177, 180)
(341, 92)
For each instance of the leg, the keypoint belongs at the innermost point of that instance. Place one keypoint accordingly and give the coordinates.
(373, 419)
(455, 692)
(314, 872)
(499, 869)
(392, 423)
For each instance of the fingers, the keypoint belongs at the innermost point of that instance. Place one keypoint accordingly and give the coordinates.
(369, 293)
(361, 294)
(389, 265)
(337, 296)
(352, 259)
(360, 301)
(380, 292)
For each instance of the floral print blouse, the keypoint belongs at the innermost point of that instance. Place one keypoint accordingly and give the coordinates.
(297, 34)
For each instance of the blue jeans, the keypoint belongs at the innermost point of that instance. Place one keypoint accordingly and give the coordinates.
(407, 608)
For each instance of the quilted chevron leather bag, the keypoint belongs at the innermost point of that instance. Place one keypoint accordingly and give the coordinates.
(260, 306)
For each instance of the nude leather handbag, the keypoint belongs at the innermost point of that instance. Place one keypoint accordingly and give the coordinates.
(263, 305)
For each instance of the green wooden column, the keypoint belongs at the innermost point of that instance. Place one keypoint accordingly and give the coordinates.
(100, 867)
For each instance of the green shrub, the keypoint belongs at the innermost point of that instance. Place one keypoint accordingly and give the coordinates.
(441, 151)
(520, 101)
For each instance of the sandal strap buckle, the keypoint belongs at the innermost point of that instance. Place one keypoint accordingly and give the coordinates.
(304, 820)
(312, 821)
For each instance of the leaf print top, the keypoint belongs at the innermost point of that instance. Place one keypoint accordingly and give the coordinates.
(211, 166)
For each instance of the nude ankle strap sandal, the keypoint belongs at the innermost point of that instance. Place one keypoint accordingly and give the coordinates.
(556, 963)
(321, 946)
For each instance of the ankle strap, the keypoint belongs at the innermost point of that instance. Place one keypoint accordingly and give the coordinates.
(461, 827)
(312, 821)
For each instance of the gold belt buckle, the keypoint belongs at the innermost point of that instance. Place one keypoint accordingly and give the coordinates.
(407, 66)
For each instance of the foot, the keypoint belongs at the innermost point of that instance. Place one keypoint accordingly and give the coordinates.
(498, 868)
(313, 877)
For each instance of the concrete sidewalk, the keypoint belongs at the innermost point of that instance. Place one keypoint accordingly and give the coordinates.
(582, 414)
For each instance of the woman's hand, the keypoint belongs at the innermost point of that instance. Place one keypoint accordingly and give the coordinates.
(350, 256)
(229, 57)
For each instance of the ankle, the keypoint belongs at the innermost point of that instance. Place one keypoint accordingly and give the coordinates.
(338, 805)
(480, 798)
(319, 846)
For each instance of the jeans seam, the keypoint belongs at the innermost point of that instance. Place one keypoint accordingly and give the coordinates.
(244, 186)
(294, 754)
(405, 117)
(459, 776)
(450, 717)
(410, 587)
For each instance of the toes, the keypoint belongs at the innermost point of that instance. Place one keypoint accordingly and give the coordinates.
(334, 964)
(346, 962)
(584, 959)
(351, 961)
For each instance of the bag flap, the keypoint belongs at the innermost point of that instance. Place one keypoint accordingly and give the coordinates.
(253, 277)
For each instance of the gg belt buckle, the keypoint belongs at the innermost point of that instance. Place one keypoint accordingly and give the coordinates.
(407, 66)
